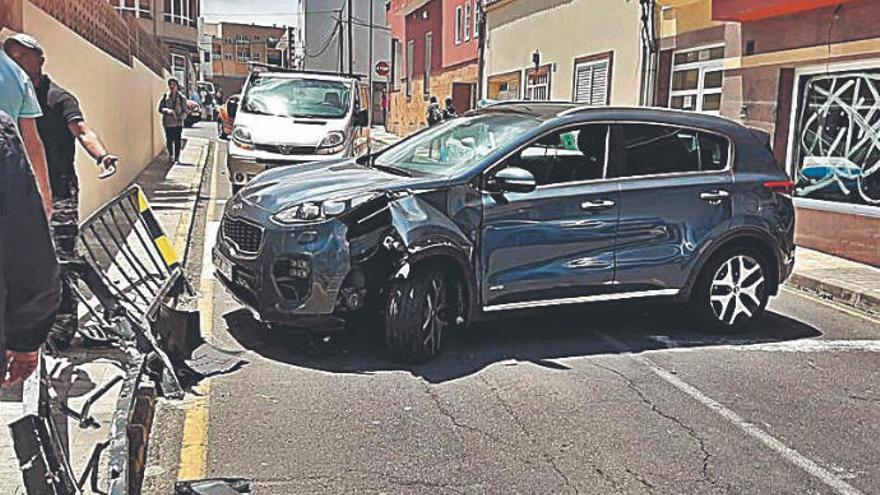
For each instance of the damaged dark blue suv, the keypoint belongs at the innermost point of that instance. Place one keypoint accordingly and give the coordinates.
(511, 207)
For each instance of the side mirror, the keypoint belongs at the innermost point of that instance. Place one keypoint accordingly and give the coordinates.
(513, 179)
(361, 118)
(231, 109)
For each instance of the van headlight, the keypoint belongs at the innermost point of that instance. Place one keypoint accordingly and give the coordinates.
(242, 137)
(314, 211)
(332, 143)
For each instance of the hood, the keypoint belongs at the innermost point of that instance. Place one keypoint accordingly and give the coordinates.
(344, 179)
(269, 129)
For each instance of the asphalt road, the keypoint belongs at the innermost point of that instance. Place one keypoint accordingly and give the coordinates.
(616, 399)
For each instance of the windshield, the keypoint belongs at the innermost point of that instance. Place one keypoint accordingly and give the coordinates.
(457, 144)
(286, 97)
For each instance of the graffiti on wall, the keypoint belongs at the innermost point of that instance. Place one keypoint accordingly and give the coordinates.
(838, 150)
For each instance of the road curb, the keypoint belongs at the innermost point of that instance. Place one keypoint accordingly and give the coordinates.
(187, 218)
(860, 301)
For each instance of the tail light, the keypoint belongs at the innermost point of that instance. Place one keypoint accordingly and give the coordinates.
(780, 186)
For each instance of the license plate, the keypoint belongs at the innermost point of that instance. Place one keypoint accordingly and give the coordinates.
(224, 267)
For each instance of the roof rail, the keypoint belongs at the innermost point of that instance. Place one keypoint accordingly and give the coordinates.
(530, 102)
(278, 68)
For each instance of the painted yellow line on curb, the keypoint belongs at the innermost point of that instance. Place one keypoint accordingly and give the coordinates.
(194, 444)
(836, 307)
(181, 234)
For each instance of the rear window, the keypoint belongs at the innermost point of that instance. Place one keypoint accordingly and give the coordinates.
(649, 149)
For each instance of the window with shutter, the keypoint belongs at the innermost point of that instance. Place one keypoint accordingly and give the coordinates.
(591, 82)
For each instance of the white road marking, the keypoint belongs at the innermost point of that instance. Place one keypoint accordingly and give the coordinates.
(834, 482)
(211, 230)
(800, 345)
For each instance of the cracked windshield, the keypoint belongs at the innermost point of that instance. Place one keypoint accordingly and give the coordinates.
(283, 247)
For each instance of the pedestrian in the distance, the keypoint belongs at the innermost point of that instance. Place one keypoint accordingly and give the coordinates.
(435, 116)
(173, 110)
(30, 288)
(61, 125)
(449, 111)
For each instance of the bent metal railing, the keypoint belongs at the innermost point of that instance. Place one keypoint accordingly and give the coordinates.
(126, 272)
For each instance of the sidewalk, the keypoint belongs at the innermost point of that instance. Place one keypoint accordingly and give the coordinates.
(837, 279)
(172, 193)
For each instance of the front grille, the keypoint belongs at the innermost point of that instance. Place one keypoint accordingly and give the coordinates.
(244, 236)
(283, 149)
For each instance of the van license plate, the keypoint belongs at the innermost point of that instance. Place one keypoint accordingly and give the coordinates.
(224, 267)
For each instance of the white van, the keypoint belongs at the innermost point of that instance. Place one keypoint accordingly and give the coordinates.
(286, 118)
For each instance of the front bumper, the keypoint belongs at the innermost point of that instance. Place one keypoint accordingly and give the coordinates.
(245, 164)
(294, 278)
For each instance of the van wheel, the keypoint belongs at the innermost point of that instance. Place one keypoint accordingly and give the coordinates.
(417, 316)
(733, 290)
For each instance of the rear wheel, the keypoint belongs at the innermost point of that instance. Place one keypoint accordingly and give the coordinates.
(733, 290)
(417, 316)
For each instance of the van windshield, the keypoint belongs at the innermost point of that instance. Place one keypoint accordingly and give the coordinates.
(286, 97)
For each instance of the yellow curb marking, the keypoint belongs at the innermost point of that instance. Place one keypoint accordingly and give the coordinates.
(194, 444)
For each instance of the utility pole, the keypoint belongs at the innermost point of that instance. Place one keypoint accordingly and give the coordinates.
(481, 60)
(370, 81)
(290, 31)
(350, 40)
(341, 48)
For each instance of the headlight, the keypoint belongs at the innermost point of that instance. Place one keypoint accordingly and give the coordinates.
(312, 211)
(242, 137)
(331, 144)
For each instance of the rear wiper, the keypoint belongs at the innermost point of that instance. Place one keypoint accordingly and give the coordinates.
(392, 169)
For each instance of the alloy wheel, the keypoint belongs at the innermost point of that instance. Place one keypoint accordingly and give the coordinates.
(737, 290)
(434, 317)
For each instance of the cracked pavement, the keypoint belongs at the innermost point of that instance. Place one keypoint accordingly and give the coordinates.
(544, 404)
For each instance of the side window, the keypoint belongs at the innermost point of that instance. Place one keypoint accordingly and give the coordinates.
(714, 151)
(566, 156)
(657, 149)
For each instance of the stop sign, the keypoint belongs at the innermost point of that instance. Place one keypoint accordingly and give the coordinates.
(382, 68)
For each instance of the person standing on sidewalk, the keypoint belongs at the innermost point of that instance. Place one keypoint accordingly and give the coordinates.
(30, 289)
(62, 123)
(173, 110)
(449, 112)
(19, 100)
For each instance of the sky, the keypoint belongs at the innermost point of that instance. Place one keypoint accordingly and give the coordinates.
(266, 12)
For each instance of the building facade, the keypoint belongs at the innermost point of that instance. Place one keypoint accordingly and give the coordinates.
(336, 40)
(808, 73)
(174, 23)
(434, 53)
(234, 46)
(586, 51)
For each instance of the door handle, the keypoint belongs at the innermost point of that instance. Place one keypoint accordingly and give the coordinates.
(600, 204)
(714, 197)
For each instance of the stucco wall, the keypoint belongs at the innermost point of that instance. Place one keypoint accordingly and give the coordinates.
(408, 115)
(563, 30)
(119, 103)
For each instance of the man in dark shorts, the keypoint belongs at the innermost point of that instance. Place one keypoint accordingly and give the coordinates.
(60, 126)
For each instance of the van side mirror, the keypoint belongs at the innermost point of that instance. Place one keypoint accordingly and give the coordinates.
(231, 109)
(361, 118)
(513, 179)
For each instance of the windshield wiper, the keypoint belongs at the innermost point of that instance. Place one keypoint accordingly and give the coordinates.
(392, 169)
